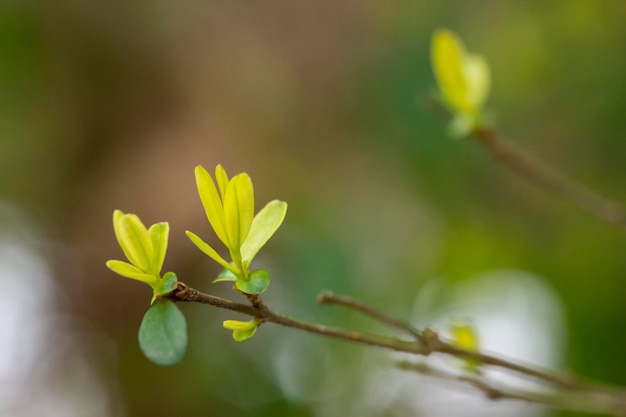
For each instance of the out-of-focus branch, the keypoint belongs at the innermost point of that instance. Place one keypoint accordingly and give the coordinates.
(539, 173)
(579, 400)
(560, 390)
(552, 180)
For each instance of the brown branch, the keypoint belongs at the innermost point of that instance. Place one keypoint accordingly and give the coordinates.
(539, 173)
(550, 179)
(584, 396)
(328, 298)
(183, 293)
(579, 400)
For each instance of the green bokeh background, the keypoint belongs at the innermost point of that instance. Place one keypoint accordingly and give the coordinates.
(107, 105)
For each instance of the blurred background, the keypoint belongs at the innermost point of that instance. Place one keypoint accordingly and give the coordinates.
(107, 105)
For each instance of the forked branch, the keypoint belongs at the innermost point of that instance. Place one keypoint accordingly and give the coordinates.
(563, 391)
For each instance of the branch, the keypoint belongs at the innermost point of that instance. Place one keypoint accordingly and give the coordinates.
(539, 173)
(550, 179)
(327, 297)
(571, 394)
(183, 293)
(571, 400)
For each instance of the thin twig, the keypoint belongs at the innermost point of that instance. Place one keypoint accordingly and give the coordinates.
(552, 180)
(329, 298)
(539, 173)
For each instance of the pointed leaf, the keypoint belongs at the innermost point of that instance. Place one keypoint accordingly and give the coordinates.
(159, 235)
(208, 250)
(264, 225)
(238, 209)
(163, 334)
(225, 275)
(222, 180)
(211, 202)
(137, 241)
(258, 281)
(130, 271)
(117, 228)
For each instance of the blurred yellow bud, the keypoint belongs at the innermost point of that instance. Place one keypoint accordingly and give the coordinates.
(463, 78)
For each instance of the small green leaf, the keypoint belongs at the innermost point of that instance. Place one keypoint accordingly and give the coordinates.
(163, 334)
(169, 281)
(225, 275)
(257, 282)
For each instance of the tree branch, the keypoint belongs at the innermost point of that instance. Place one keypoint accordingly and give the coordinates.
(571, 393)
(539, 173)
(550, 179)
(579, 400)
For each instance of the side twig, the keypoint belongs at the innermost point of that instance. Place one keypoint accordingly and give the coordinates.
(327, 297)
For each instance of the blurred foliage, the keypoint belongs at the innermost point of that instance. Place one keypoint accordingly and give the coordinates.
(111, 105)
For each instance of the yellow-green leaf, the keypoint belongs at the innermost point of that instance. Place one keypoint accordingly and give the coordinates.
(463, 78)
(476, 71)
(242, 330)
(465, 336)
(222, 179)
(117, 216)
(211, 202)
(159, 234)
(238, 210)
(138, 246)
(208, 250)
(447, 54)
(130, 271)
(264, 225)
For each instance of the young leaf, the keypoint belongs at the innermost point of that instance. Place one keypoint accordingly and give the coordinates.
(130, 271)
(211, 202)
(264, 225)
(159, 235)
(225, 275)
(163, 334)
(208, 250)
(242, 330)
(465, 336)
(238, 209)
(257, 282)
